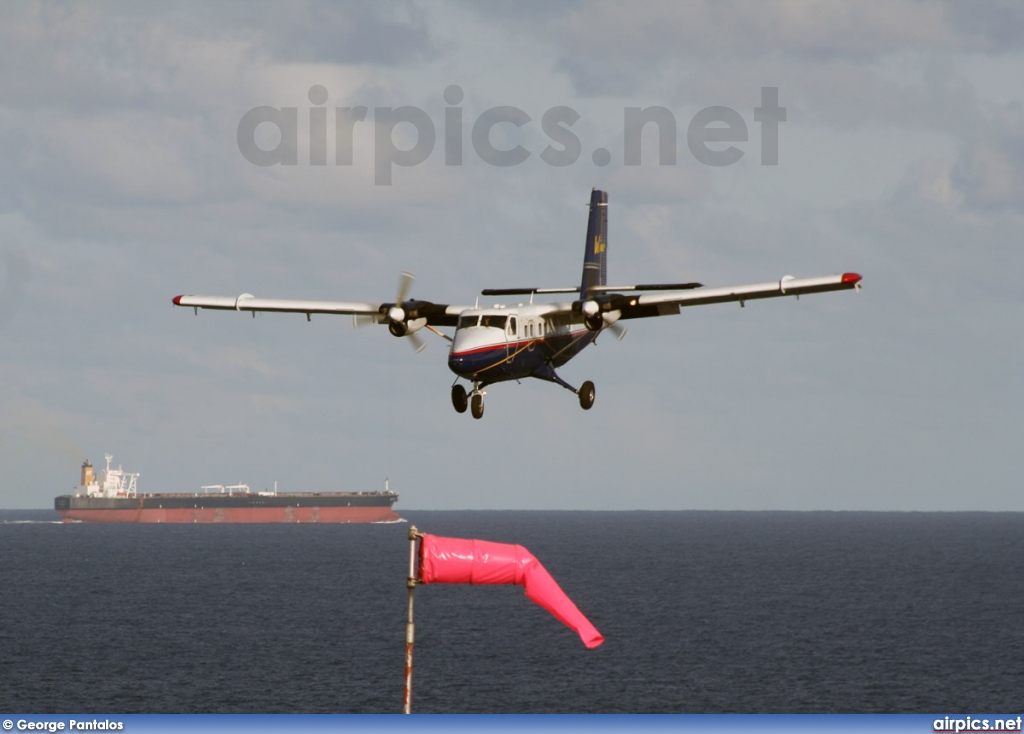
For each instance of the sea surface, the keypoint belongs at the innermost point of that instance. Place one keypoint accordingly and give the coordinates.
(703, 612)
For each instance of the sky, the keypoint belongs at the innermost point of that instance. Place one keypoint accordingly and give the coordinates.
(127, 179)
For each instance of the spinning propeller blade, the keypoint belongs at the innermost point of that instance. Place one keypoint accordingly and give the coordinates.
(418, 345)
(405, 281)
(397, 313)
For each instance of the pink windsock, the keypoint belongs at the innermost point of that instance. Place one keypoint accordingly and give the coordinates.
(464, 561)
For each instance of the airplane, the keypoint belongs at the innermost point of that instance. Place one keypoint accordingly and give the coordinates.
(501, 343)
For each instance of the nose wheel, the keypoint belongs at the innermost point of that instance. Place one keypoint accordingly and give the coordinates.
(461, 400)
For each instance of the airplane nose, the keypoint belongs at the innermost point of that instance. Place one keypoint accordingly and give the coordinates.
(456, 363)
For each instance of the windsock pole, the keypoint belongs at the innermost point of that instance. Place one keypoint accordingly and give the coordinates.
(410, 627)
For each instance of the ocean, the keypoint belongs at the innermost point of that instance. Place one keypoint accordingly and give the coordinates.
(703, 612)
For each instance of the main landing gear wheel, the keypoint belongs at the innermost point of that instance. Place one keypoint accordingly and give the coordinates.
(586, 393)
(477, 405)
(459, 399)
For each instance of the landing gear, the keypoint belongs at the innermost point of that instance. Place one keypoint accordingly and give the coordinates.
(460, 401)
(586, 394)
(474, 399)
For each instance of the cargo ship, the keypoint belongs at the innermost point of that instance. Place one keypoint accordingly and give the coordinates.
(114, 497)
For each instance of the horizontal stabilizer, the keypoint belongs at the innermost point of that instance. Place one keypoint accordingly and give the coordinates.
(645, 287)
(524, 291)
(592, 289)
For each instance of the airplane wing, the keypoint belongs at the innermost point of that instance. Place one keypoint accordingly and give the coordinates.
(669, 302)
(435, 314)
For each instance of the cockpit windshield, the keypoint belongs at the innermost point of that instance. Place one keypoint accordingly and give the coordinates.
(497, 322)
(492, 321)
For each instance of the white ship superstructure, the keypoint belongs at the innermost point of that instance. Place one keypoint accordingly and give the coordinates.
(115, 482)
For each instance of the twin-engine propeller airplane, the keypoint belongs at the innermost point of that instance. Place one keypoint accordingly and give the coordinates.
(531, 339)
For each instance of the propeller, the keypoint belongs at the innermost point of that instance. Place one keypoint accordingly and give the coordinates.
(418, 345)
(618, 329)
(396, 314)
(592, 308)
(405, 281)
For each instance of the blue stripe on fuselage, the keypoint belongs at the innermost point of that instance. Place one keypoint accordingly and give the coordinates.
(516, 360)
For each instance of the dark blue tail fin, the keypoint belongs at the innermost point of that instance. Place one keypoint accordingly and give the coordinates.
(595, 258)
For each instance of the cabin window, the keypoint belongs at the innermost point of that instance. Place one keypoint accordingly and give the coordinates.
(512, 325)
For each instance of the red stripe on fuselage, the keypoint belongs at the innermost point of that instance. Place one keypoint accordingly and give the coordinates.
(520, 344)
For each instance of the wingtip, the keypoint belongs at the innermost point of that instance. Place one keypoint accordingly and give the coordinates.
(851, 277)
(177, 300)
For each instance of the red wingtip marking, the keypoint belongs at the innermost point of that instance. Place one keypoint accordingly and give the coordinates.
(851, 277)
(176, 300)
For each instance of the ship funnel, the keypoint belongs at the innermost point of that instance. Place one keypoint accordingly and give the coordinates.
(87, 475)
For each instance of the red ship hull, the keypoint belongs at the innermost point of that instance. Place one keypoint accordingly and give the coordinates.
(115, 500)
(237, 515)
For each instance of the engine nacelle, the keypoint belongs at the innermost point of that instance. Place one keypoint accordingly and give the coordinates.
(610, 317)
(404, 328)
(590, 310)
(601, 320)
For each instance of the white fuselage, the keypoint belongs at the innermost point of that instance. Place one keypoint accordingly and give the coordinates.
(508, 343)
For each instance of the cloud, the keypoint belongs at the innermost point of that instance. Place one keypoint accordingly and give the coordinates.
(991, 160)
(362, 32)
(28, 423)
(17, 273)
(610, 48)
